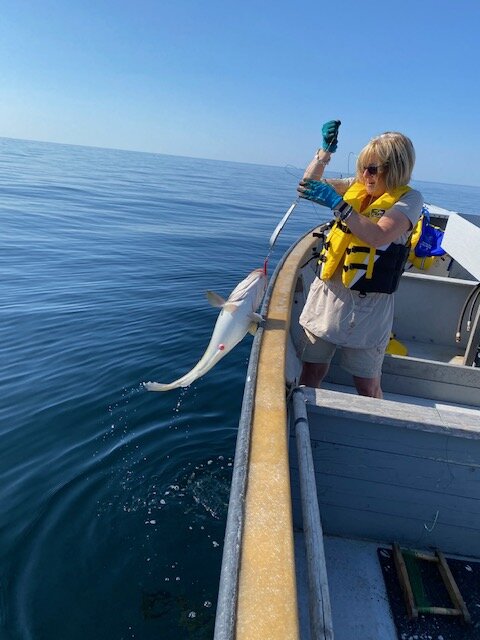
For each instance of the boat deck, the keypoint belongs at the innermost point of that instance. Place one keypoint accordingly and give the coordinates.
(359, 600)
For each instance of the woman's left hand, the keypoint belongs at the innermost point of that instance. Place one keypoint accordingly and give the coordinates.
(320, 192)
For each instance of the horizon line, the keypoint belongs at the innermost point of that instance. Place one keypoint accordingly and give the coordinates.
(174, 155)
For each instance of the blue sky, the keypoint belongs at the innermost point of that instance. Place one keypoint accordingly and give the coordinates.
(251, 81)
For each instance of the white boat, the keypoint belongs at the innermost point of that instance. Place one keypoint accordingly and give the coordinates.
(332, 492)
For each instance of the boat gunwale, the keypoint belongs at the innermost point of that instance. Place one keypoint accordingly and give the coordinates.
(230, 568)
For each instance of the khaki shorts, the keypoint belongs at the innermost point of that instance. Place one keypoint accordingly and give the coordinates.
(363, 363)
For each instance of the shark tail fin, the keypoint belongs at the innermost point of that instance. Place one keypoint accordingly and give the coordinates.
(156, 386)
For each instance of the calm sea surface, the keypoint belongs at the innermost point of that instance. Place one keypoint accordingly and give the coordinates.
(113, 500)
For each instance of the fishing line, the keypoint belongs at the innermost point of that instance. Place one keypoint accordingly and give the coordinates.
(290, 169)
(295, 172)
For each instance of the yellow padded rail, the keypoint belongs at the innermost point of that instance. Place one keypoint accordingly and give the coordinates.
(267, 600)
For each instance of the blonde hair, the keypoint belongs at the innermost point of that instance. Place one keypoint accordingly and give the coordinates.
(395, 152)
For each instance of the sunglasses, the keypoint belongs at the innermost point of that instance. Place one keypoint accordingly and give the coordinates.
(373, 169)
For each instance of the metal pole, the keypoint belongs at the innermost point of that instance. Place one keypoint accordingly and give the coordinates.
(321, 626)
(348, 162)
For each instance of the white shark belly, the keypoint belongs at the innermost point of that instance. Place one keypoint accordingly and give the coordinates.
(230, 329)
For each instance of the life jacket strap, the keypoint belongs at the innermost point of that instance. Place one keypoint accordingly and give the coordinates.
(355, 265)
(343, 227)
(356, 249)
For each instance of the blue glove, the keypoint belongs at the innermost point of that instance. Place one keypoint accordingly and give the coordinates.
(330, 135)
(320, 192)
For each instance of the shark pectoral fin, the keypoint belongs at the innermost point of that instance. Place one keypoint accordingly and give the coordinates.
(215, 300)
(256, 317)
(256, 320)
(252, 328)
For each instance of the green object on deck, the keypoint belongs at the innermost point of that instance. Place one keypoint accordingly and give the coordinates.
(416, 580)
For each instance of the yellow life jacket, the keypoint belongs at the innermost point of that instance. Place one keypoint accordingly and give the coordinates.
(422, 263)
(364, 268)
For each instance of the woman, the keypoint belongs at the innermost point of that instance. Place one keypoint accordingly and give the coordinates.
(350, 304)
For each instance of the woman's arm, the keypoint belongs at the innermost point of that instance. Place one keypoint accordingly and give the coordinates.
(395, 223)
(386, 230)
(315, 170)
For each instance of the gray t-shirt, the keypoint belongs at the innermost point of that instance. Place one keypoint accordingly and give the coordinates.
(344, 317)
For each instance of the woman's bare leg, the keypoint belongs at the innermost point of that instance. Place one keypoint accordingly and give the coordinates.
(313, 374)
(368, 387)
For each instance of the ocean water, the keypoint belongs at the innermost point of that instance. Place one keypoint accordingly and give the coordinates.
(114, 500)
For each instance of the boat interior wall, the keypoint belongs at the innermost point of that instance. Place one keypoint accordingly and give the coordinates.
(448, 268)
(391, 478)
(427, 310)
(293, 366)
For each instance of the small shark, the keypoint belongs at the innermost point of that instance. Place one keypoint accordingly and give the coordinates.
(237, 317)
